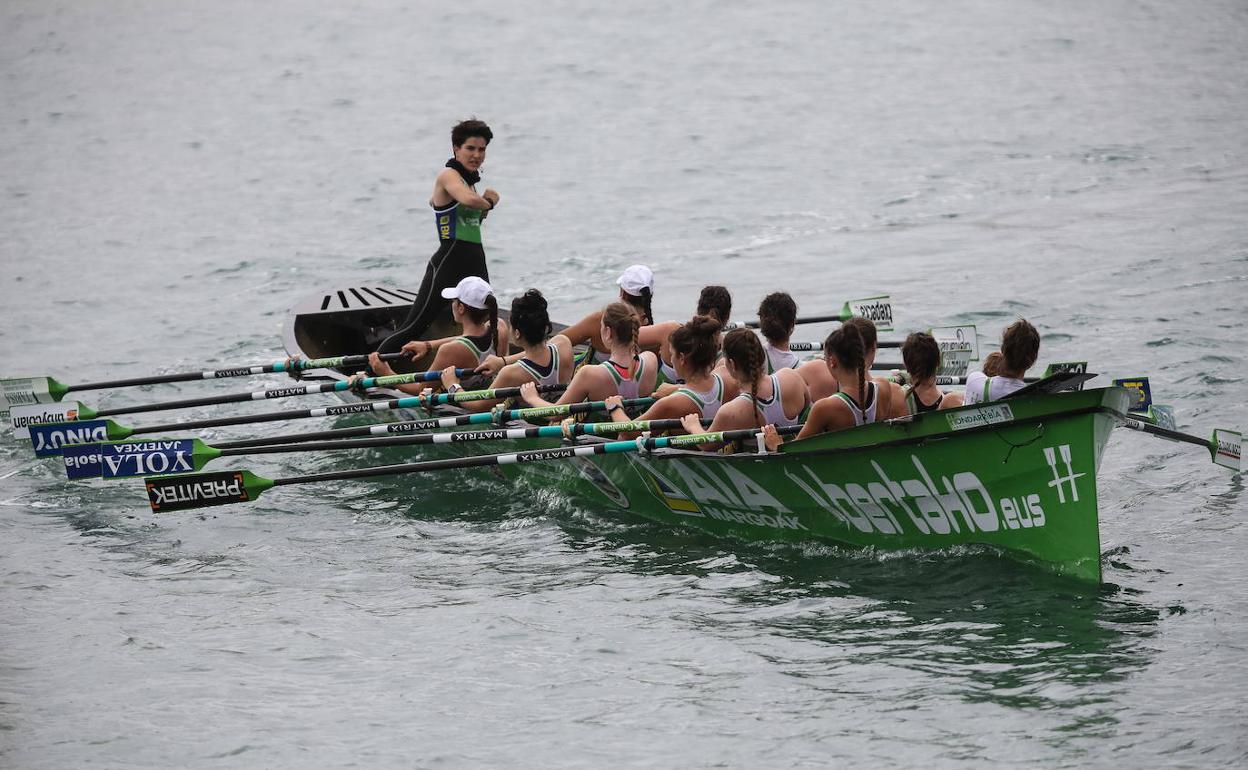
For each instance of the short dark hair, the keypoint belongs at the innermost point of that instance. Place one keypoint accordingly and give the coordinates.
(1020, 346)
(470, 128)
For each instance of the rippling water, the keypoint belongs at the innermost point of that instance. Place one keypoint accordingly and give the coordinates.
(176, 175)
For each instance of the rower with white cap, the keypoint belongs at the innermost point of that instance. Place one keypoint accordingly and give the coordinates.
(636, 288)
(475, 308)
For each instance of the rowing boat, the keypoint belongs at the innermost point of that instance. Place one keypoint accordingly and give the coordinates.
(1019, 476)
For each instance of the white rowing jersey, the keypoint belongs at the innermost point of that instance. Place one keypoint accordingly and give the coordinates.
(778, 359)
(981, 388)
(772, 409)
(708, 401)
(628, 387)
(544, 375)
(862, 416)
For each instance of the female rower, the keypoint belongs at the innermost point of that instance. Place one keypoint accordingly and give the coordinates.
(822, 384)
(636, 289)
(713, 302)
(1020, 346)
(458, 212)
(475, 308)
(859, 401)
(777, 399)
(694, 345)
(921, 355)
(777, 318)
(544, 360)
(626, 372)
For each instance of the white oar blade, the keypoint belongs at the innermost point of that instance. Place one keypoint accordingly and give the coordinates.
(24, 390)
(878, 310)
(1228, 449)
(960, 340)
(26, 415)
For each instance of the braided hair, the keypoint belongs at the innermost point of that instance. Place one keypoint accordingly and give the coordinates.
(621, 318)
(850, 349)
(742, 348)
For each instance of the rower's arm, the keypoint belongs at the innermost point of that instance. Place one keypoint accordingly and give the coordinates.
(450, 180)
(584, 329)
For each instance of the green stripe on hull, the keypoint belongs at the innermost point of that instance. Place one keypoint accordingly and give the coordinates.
(1026, 485)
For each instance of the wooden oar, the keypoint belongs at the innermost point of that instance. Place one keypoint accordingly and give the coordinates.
(31, 390)
(88, 460)
(144, 458)
(187, 491)
(1225, 446)
(48, 440)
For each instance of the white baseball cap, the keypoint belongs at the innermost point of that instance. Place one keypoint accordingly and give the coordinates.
(635, 278)
(471, 291)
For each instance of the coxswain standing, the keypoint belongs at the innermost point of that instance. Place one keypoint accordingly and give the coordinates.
(458, 212)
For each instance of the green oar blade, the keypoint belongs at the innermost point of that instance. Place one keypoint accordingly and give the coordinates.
(185, 492)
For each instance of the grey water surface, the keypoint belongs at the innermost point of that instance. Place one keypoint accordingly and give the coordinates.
(175, 175)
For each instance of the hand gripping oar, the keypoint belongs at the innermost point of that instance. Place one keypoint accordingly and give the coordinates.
(24, 417)
(31, 390)
(144, 458)
(187, 491)
(877, 309)
(48, 440)
(88, 460)
(1225, 446)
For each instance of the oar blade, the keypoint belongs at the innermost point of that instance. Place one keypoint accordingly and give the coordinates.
(29, 390)
(202, 490)
(878, 310)
(82, 461)
(50, 440)
(1141, 393)
(25, 415)
(1227, 448)
(130, 459)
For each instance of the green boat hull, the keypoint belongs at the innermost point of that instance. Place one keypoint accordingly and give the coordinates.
(1019, 476)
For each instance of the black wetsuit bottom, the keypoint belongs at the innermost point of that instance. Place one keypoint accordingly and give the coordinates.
(451, 263)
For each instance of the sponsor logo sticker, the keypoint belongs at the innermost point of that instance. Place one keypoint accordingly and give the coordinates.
(984, 415)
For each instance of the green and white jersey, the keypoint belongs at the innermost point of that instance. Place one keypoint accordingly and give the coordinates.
(458, 223)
